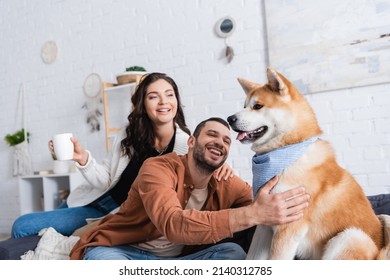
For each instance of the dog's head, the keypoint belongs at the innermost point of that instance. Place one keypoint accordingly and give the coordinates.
(275, 115)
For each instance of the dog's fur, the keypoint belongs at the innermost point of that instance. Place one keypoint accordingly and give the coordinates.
(339, 222)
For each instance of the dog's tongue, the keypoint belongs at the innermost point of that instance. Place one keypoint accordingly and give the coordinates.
(241, 136)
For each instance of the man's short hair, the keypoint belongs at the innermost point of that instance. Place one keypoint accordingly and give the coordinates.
(200, 126)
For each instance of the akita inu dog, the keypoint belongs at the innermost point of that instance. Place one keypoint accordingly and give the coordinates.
(282, 128)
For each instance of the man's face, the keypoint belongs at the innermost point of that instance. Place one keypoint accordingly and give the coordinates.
(211, 148)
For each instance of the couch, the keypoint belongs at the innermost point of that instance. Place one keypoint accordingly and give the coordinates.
(13, 249)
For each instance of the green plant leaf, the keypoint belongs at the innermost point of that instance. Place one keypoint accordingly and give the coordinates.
(136, 68)
(16, 138)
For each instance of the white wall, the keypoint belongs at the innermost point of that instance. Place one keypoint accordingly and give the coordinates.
(172, 36)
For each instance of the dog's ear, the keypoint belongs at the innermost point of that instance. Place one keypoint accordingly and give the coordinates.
(247, 85)
(276, 83)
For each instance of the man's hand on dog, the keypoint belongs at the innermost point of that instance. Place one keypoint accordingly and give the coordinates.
(270, 209)
(280, 208)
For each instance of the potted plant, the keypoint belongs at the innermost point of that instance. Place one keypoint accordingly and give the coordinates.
(136, 69)
(22, 160)
(16, 138)
(130, 75)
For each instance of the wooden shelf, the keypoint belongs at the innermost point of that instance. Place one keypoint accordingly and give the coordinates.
(108, 89)
(120, 88)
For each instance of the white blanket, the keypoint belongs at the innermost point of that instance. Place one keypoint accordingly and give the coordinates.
(52, 246)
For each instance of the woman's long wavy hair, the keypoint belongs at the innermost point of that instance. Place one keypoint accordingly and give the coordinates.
(140, 135)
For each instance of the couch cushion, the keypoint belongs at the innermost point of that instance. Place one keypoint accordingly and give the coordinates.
(12, 249)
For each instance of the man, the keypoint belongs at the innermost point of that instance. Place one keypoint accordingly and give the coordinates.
(175, 204)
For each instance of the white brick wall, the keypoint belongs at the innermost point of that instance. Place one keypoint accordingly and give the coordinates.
(172, 36)
(357, 124)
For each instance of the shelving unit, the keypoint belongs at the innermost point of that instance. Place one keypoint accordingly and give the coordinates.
(40, 192)
(109, 90)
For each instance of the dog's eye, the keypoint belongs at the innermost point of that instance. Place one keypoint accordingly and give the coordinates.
(257, 106)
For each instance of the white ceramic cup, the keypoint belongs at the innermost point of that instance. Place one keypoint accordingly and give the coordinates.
(63, 146)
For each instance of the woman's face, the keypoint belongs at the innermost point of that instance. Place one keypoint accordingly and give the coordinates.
(160, 102)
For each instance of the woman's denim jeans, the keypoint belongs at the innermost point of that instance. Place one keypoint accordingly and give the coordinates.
(63, 219)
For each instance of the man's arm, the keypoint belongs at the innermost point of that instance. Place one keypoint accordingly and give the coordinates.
(270, 209)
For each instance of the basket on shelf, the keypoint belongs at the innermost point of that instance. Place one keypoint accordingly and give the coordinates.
(127, 78)
(131, 75)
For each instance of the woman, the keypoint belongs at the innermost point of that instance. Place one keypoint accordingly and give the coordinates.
(156, 127)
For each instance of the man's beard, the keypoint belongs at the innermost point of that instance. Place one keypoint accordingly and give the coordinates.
(202, 163)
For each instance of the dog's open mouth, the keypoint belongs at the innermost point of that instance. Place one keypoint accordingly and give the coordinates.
(251, 136)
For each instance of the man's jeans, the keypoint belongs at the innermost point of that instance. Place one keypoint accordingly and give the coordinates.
(222, 251)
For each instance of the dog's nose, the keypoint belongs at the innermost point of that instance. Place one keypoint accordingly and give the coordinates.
(232, 119)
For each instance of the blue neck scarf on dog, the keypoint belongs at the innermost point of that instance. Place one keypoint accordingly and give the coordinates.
(267, 165)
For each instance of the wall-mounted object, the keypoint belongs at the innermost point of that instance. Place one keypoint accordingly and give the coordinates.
(19, 140)
(225, 28)
(340, 48)
(93, 87)
(49, 52)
